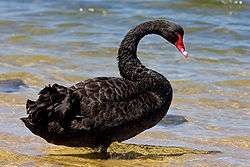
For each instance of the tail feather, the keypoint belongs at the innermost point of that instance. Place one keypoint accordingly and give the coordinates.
(56, 105)
(29, 104)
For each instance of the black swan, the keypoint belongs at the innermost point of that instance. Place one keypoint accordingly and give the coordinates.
(96, 112)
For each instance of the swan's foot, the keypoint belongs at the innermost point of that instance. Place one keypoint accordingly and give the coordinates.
(102, 152)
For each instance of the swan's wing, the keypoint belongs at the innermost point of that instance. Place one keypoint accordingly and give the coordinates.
(108, 89)
(101, 116)
(110, 102)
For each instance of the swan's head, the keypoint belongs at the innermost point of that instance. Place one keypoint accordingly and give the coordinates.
(174, 34)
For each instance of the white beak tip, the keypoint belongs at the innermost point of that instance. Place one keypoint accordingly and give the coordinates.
(185, 53)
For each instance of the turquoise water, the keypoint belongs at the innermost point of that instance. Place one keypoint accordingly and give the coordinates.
(65, 41)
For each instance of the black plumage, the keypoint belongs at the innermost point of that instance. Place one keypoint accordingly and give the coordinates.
(98, 111)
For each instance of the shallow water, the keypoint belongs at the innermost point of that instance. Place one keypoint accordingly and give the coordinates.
(63, 41)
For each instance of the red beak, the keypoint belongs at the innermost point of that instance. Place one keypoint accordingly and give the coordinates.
(180, 46)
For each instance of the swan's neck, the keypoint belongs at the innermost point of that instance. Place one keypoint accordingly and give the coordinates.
(129, 65)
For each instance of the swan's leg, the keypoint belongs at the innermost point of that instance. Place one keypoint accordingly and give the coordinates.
(102, 151)
(105, 153)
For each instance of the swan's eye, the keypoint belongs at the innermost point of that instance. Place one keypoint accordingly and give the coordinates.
(180, 46)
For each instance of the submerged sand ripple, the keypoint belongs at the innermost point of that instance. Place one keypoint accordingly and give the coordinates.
(120, 155)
